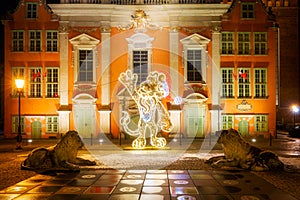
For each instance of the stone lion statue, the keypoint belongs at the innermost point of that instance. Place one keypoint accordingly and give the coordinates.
(62, 155)
(152, 114)
(239, 153)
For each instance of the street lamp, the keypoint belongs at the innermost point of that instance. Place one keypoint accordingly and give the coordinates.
(19, 84)
(295, 110)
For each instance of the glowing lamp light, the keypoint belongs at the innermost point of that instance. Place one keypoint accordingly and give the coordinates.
(253, 140)
(29, 140)
(19, 83)
(295, 109)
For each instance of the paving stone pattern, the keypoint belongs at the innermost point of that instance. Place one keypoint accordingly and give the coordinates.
(145, 185)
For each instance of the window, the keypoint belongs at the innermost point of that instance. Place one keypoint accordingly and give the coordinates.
(247, 10)
(227, 82)
(227, 122)
(243, 43)
(85, 73)
(35, 82)
(35, 40)
(140, 64)
(17, 40)
(261, 123)
(51, 41)
(244, 83)
(260, 83)
(227, 43)
(15, 124)
(31, 10)
(194, 65)
(52, 124)
(260, 43)
(17, 72)
(52, 82)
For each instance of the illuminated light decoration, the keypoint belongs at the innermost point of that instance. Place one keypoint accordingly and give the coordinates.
(153, 115)
(234, 76)
(177, 100)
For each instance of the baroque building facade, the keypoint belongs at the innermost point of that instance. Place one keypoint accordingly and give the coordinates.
(219, 58)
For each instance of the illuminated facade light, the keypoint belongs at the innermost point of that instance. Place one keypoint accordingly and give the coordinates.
(153, 116)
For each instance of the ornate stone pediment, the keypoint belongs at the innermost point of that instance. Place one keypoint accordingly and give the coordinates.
(84, 39)
(195, 39)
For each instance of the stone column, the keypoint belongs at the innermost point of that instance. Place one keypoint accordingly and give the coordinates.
(63, 111)
(216, 79)
(105, 111)
(174, 87)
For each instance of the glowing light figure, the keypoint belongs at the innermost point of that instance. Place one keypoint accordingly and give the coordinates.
(153, 115)
(177, 100)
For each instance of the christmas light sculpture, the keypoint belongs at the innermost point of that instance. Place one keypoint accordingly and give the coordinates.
(153, 115)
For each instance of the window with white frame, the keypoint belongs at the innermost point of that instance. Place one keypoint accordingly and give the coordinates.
(260, 43)
(18, 40)
(227, 42)
(85, 68)
(248, 11)
(35, 40)
(51, 41)
(15, 124)
(261, 123)
(140, 64)
(194, 65)
(51, 124)
(243, 43)
(52, 81)
(260, 82)
(35, 82)
(31, 10)
(17, 73)
(244, 83)
(227, 122)
(227, 82)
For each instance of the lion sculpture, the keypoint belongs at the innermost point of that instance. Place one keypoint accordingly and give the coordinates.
(152, 114)
(239, 153)
(63, 155)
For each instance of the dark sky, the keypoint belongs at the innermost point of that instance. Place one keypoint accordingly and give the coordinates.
(6, 5)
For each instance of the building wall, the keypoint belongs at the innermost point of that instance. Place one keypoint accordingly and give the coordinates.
(95, 107)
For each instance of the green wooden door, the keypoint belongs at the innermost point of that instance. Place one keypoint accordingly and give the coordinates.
(195, 122)
(36, 130)
(243, 128)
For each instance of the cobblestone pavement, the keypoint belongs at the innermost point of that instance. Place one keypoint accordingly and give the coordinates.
(183, 177)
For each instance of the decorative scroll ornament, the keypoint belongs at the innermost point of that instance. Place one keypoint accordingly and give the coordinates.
(153, 116)
(244, 106)
(140, 22)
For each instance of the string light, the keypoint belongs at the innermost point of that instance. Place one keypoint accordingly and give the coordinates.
(153, 115)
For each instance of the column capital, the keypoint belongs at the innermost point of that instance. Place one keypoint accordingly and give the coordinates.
(216, 28)
(63, 27)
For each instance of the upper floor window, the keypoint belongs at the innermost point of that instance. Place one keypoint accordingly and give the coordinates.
(247, 10)
(227, 43)
(244, 83)
(17, 73)
(18, 40)
(85, 73)
(140, 64)
(52, 82)
(260, 82)
(261, 123)
(35, 40)
(260, 43)
(194, 65)
(244, 43)
(31, 10)
(51, 41)
(227, 82)
(51, 124)
(35, 82)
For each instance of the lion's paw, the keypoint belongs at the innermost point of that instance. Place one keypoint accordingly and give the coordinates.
(158, 142)
(139, 143)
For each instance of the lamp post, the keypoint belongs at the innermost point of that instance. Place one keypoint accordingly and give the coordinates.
(295, 110)
(19, 84)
